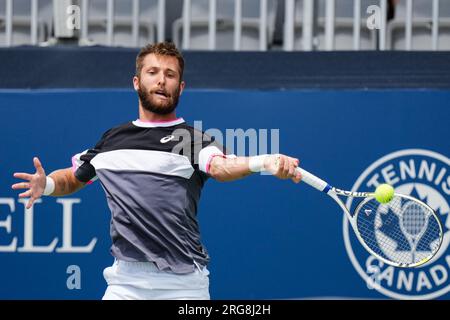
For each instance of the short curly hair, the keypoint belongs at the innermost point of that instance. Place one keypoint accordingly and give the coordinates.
(162, 49)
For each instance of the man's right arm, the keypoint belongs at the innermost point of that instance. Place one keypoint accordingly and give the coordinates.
(58, 183)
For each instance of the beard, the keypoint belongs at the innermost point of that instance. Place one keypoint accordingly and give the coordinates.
(149, 102)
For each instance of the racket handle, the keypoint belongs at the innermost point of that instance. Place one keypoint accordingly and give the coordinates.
(314, 181)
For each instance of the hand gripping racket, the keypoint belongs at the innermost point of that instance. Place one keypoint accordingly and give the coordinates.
(404, 232)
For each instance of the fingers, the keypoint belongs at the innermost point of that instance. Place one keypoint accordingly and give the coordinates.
(287, 165)
(281, 167)
(21, 185)
(32, 183)
(287, 168)
(30, 203)
(292, 166)
(280, 162)
(297, 177)
(25, 194)
(28, 194)
(22, 175)
(38, 166)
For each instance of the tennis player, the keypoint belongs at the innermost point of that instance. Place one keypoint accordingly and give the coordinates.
(152, 171)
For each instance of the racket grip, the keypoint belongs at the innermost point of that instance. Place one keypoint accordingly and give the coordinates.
(313, 181)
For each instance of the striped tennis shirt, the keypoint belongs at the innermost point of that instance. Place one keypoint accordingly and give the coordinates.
(152, 174)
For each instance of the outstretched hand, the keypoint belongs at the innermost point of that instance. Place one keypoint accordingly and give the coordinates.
(35, 183)
(283, 167)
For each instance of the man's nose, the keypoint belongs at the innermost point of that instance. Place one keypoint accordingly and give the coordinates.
(161, 79)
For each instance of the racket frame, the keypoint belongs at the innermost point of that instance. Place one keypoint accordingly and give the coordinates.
(334, 193)
(401, 265)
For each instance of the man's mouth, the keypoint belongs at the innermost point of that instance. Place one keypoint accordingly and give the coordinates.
(161, 94)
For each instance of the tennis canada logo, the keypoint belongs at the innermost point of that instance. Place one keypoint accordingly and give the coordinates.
(422, 174)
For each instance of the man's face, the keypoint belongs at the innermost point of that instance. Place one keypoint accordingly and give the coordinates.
(159, 85)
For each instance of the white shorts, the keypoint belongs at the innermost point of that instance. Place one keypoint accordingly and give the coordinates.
(144, 281)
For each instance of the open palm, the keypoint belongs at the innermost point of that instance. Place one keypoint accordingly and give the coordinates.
(35, 183)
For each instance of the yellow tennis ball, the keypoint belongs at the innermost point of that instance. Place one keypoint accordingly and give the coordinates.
(384, 193)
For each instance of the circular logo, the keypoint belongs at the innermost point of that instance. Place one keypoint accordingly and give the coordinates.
(422, 174)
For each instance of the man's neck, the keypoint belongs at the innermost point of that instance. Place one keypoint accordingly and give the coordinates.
(148, 116)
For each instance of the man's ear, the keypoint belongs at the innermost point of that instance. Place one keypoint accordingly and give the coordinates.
(182, 85)
(136, 83)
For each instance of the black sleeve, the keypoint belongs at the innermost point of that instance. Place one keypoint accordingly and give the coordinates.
(81, 163)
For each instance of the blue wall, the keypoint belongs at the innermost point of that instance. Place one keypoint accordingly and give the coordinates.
(268, 238)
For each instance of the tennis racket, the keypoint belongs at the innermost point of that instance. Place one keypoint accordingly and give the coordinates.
(404, 232)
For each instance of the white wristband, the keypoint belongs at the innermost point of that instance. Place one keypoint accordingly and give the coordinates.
(49, 186)
(256, 163)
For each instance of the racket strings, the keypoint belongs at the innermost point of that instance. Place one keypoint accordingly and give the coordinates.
(403, 230)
